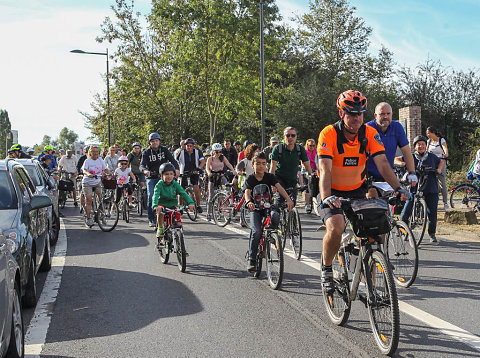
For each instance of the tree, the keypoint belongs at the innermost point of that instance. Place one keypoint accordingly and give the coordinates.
(5, 130)
(66, 139)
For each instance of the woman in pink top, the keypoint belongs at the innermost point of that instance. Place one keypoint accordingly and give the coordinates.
(214, 167)
(310, 147)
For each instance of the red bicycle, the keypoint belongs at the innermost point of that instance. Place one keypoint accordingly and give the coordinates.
(226, 205)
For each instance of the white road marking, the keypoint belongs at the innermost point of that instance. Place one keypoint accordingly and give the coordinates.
(37, 330)
(445, 327)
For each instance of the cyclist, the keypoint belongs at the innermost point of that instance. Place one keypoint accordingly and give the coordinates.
(392, 136)
(166, 196)
(92, 169)
(134, 159)
(31, 152)
(238, 146)
(342, 150)
(48, 150)
(215, 168)
(261, 176)
(17, 148)
(152, 158)
(268, 150)
(285, 161)
(429, 160)
(310, 148)
(122, 174)
(111, 159)
(80, 162)
(241, 155)
(68, 165)
(191, 160)
(229, 152)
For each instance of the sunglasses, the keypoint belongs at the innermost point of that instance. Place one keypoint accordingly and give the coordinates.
(218, 151)
(311, 146)
(290, 135)
(123, 163)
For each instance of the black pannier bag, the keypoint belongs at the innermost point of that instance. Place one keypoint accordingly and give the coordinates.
(370, 217)
(65, 185)
(313, 185)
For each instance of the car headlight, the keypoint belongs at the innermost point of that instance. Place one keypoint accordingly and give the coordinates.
(13, 240)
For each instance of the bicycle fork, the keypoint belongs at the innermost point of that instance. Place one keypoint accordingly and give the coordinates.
(362, 269)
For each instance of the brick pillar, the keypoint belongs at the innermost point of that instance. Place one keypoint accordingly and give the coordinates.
(411, 119)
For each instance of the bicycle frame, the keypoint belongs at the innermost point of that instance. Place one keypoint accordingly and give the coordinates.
(237, 206)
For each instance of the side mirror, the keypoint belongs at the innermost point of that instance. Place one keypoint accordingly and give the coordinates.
(40, 201)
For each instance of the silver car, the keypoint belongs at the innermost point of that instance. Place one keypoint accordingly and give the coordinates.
(11, 320)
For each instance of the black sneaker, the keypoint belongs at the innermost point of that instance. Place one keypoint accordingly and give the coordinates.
(327, 280)
(199, 209)
(433, 240)
(251, 266)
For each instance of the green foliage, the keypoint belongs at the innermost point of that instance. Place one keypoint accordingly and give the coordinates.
(5, 128)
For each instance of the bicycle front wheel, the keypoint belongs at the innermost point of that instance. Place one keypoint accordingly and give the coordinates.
(181, 253)
(402, 253)
(274, 260)
(107, 215)
(245, 216)
(464, 196)
(164, 250)
(222, 209)
(338, 303)
(418, 221)
(295, 233)
(383, 304)
(192, 215)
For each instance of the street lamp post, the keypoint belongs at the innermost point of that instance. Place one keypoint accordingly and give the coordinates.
(108, 89)
(262, 74)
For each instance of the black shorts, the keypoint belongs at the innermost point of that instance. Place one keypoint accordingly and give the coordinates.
(359, 193)
(193, 180)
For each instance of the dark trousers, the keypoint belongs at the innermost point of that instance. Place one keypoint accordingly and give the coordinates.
(256, 221)
(432, 203)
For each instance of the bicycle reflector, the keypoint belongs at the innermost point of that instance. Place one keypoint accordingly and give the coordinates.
(261, 196)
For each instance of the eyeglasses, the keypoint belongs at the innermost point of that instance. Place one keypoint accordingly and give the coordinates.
(290, 135)
(218, 151)
(123, 163)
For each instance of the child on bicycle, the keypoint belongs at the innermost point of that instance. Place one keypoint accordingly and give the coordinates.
(165, 196)
(121, 174)
(261, 176)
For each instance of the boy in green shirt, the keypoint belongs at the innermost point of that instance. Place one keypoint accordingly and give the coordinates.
(166, 194)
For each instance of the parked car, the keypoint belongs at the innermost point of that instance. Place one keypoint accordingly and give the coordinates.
(12, 334)
(24, 221)
(46, 185)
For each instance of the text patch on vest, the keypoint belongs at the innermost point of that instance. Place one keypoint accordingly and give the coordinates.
(350, 162)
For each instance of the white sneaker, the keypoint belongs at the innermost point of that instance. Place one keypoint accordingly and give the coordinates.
(90, 222)
(296, 242)
(308, 208)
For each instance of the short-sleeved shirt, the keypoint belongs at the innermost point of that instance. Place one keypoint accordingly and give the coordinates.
(287, 167)
(94, 167)
(122, 175)
(436, 147)
(348, 168)
(268, 179)
(69, 164)
(393, 138)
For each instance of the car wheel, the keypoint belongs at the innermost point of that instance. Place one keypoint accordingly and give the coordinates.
(16, 346)
(55, 229)
(46, 264)
(30, 298)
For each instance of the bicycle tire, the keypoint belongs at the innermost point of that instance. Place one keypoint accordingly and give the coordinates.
(127, 211)
(338, 304)
(464, 196)
(181, 253)
(221, 205)
(62, 199)
(164, 251)
(402, 253)
(418, 221)
(283, 227)
(295, 233)
(245, 216)
(274, 260)
(258, 262)
(192, 215)
(386, 334)
(107, 219)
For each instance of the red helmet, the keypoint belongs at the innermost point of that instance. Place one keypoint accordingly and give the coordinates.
(352, 101)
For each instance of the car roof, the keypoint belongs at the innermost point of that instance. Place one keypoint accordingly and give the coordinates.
(27, 161)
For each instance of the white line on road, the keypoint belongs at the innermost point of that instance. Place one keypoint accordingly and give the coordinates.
(37, 330)
(445, 327)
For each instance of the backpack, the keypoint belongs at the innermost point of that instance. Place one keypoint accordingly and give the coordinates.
(280, 151)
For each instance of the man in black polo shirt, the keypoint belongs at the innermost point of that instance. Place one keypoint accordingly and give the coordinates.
(191, 161)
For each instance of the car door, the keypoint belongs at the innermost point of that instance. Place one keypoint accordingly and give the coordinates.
(52, 193)
(4, 301)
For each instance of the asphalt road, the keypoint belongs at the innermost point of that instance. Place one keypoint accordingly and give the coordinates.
(116, 299)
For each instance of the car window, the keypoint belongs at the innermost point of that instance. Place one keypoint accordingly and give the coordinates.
(24, 187)
(27, 180)
(8, 197)
(44, 175)
(34, 174)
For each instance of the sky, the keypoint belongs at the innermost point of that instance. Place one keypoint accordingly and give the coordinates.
(44, 87)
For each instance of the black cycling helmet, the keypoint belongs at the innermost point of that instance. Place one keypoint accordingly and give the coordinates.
(419, 138)
(153, 135)
(190, 141)
(136, 144)
(165, 167)
(237, 143)
(247, 143)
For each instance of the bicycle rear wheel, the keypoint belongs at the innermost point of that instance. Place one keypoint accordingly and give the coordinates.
(418, 220)
(274, 260)
(62, 199)
(338, 304)
(402, 253)
(464, 196)
(258, 262)
(107, 215)
(383, 306)
(181, 253)
(192, 215)
(245, 216)
(164, 250)
(295, 233)
(222, 209)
